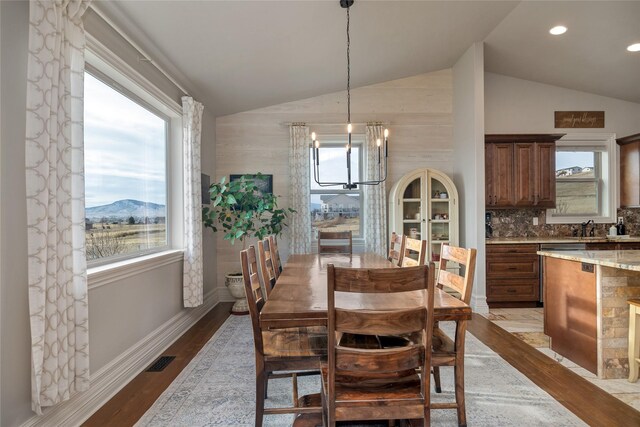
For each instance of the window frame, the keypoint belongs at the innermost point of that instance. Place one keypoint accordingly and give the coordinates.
(333, 140)
(607, 198)
(100, 60)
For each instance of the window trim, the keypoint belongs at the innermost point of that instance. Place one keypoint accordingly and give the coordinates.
(113, 71)
(336, 140)
(605, 143)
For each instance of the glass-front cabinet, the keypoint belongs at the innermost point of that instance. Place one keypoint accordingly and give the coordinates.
(424, 205)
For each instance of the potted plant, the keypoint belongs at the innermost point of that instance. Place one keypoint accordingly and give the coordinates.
(242, 211)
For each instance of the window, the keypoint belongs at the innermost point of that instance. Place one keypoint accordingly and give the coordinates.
(125, 172)
(578, 182)
(585, 184)
(333, 208)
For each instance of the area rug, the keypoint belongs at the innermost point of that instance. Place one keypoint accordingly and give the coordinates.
(217, 389)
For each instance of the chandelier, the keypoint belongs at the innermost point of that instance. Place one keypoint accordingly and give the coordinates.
(349, 185)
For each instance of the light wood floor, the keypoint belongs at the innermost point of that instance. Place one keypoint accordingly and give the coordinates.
(590, 403)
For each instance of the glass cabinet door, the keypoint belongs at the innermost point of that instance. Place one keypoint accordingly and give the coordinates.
(412, 209)
(440, 217)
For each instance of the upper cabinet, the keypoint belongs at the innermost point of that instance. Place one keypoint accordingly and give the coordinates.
(629, 171)
(424, 205)
(520, 171)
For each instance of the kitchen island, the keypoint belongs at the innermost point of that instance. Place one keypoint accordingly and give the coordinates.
(585, 311)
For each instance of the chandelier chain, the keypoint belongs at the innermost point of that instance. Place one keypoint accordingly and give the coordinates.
(348, 71)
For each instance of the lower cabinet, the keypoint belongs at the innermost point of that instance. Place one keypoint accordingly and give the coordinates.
(513, 275)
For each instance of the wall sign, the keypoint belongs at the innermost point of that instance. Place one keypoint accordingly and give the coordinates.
(579, 119)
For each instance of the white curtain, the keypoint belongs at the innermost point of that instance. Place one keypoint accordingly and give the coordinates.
(375, 196)
(300, 222)
(192, 282)
(55, 202)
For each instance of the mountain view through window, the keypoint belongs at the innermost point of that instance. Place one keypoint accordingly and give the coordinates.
(125, 174)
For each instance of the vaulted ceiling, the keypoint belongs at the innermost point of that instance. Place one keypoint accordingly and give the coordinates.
(241, 55)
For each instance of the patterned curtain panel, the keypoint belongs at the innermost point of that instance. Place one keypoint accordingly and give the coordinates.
(192, 283)
(375, 196)
(299, 191)
(55, 202)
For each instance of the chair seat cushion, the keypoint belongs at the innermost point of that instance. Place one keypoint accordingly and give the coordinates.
(295, 342)
(363, 390)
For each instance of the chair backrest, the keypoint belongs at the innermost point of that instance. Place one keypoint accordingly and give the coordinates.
(383, 319)
(275, 255)
(255, 295)
(467, 260)
(411, 247)
(335, 242)
(396, 248)
(265, 254)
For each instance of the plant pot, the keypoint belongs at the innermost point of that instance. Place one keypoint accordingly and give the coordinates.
(235, 284)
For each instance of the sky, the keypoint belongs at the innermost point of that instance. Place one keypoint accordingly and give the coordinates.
(125, 148)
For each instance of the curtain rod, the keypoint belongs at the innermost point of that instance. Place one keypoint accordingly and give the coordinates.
(287, 124)
(147, 58)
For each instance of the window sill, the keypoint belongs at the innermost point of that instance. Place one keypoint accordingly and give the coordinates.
(105, 274)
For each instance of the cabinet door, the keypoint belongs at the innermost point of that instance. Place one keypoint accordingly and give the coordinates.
(500, 165)
(489, 173)
(545, 168)
(630, 174)
(525, 174)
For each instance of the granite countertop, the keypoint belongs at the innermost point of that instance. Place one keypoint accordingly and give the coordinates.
(625, 260)
(560, 239)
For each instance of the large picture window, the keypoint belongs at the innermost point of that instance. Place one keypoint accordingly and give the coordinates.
(333, 208)
(125, 172)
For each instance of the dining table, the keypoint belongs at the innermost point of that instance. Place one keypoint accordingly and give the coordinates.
(299, 297)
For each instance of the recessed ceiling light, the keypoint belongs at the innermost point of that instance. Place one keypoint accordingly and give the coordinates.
(634, 47)
(556, 31)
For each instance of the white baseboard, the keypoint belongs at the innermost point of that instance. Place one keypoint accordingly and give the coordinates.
(479, 304)
(110, 379)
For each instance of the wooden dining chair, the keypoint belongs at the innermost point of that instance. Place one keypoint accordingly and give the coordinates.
(265, 256)
(335, 242)
(378, 384)
(275, 255)
(297, 351)
(396, 248)
(448, 352)
(414, 252)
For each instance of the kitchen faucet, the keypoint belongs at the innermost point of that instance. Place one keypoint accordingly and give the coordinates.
(584, 225)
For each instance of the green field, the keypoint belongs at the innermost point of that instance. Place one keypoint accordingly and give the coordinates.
(576, 197)
(107, 240)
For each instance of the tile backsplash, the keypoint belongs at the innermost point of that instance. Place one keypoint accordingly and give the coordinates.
(519, 223)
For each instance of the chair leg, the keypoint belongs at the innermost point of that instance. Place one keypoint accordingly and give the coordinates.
(266, 385)
(458, 371)
(261, 390)
(436, 379)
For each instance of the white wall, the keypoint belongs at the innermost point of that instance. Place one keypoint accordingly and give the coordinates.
(522, 106)
(121, 314)
(418, 110)
(468, 145)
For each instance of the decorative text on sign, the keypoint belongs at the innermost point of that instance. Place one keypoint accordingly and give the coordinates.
(579, 119)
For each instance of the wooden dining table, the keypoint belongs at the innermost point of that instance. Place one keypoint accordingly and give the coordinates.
(299, 297)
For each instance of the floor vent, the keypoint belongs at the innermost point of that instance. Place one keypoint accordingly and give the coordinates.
(160, 364)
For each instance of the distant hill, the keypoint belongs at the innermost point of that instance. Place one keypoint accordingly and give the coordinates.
(123, 209)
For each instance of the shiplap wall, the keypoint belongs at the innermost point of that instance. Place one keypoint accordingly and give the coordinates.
(418, 111)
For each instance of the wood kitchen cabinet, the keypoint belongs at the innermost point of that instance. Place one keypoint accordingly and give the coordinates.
(629, 171)
(520, 171)
(499, 176)
(513, 275)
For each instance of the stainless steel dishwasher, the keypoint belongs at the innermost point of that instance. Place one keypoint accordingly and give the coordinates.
(577, 246)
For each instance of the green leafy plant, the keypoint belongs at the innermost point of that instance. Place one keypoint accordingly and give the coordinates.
(242, 211)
